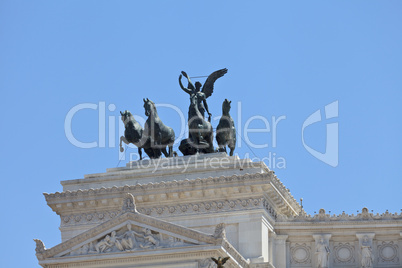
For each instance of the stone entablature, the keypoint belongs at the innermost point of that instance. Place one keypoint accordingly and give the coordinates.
(373, 246)
(185, 197)
(374, 239)
(192, 188)
(178, 209)
(240, 196)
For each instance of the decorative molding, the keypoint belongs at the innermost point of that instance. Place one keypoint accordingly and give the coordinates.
(344, 253)
(300, 253)
(172, 210)
(182, 184)
(39, 249)
(88, 218)
(161, 189)
(268, 208)
(388, 252)
(134, 260)
(220, 231)
(129, 204)
(323, 217)
(40, 246)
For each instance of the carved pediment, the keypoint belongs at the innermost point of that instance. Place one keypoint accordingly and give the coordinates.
(130, 237)
(130, 232)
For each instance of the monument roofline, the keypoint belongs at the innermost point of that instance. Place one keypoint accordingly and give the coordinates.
(167, 169)
(264, 184)
(341, 219)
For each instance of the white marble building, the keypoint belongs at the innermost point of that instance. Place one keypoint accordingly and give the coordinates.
(180, 212)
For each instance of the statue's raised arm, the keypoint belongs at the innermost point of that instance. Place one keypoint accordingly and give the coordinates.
(190, 87)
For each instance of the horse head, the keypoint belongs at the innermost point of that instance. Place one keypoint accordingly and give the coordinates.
(226, 106)
(126, 116)
(149, 107)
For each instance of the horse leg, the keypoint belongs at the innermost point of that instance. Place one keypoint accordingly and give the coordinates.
(220, 148)
(196, 141)
(170, 150)
(140, 152)
(211, 142)
(231, 151)
(232, 145)
(165, 152)
(122, 138)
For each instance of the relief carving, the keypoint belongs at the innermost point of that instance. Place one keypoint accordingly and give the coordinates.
(367, 253)
(388, 252)
(344, 253)
(300, 253)
(129, 204)
(321, 251)
(127, 239)
(220, 231)
(40, 246)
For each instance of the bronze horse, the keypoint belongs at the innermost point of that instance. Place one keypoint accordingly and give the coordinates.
(156, 135)
(132, 133)
(226, 131)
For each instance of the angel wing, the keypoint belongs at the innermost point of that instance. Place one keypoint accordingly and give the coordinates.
(208, 87)
(225, 260)
(215, 260)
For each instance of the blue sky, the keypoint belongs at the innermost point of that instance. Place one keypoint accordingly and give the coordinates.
(287, 58)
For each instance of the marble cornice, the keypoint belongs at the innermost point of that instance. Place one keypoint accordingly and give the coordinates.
(240, 186)
(164, 187)
(129, 259)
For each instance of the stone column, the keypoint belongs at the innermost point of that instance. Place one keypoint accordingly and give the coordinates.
(253, 241)
(271, 245)
(280, 251)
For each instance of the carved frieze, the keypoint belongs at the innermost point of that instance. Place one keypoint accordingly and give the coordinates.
(172, 210)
